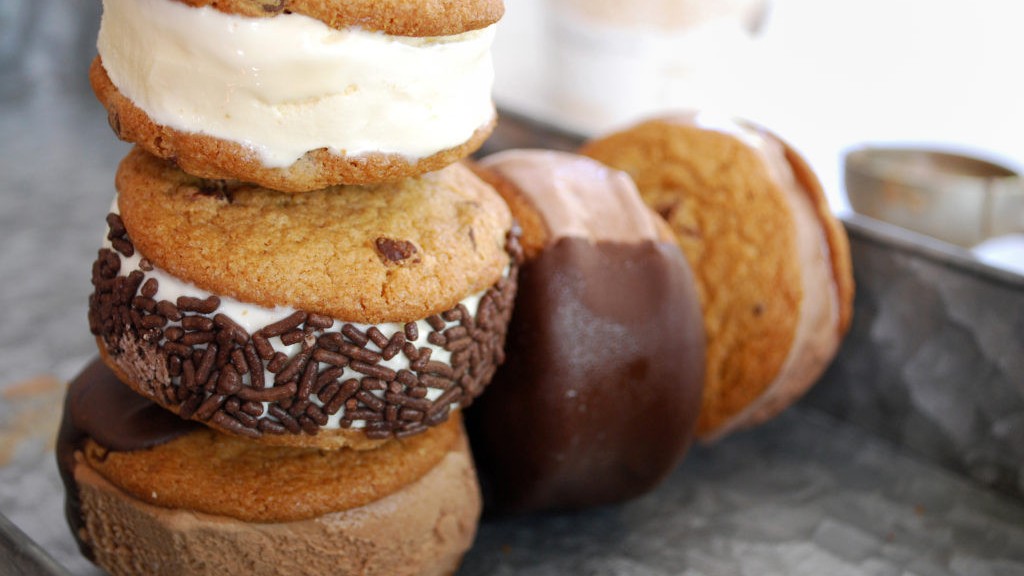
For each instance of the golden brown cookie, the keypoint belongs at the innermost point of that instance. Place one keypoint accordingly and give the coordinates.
(771, 260)
(208, 156)
(600, 395)
(394, 17)
(325, 319)
(149, 493)
(395, 252)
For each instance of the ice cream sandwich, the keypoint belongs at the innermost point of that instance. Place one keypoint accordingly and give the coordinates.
(297, 95)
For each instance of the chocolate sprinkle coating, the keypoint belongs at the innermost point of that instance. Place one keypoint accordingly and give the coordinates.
(198, 362)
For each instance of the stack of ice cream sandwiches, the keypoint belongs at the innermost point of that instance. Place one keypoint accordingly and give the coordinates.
(303, 286)
(299, 291)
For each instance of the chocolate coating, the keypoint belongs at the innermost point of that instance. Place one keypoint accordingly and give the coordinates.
(100, 407)
(600, 394)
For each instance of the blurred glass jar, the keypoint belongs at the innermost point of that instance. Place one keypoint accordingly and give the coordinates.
(613, 61)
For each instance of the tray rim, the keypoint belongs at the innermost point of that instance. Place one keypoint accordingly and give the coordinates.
(24, 555)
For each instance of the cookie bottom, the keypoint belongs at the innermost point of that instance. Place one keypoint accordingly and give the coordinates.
(210, 157)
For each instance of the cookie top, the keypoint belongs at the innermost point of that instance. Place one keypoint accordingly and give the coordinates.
(395, 17)
(206, 471)
(727, 203)
(176, 464)
(396, 253)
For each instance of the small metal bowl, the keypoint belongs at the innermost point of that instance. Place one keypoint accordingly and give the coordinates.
(956, 198)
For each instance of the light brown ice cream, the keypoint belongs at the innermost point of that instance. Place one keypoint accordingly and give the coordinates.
(576, 196)
(424, 528)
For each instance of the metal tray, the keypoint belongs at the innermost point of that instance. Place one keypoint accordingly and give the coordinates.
(905, 459)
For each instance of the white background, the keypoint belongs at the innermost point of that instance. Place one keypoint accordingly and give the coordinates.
(829, 74)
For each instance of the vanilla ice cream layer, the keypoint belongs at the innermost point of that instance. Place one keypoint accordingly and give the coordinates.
(289, 84)
(817, 334)
(253, 317)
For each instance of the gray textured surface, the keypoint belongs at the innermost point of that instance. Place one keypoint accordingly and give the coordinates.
(802, 495)
(21, 556)
(935, 358)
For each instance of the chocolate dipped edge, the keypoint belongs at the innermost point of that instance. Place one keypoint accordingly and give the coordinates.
(600, 395)
(99, 406)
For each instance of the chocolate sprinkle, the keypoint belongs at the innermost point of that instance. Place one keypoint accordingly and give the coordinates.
(203, 306)
(286, 325)
(219, 373)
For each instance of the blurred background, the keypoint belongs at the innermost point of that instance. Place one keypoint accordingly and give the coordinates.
(825, 74)
(828, 76)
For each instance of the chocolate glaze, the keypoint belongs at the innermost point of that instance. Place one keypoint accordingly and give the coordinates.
(100, 407)
(600, 394)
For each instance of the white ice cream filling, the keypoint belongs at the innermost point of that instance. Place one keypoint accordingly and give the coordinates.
(288, 84)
